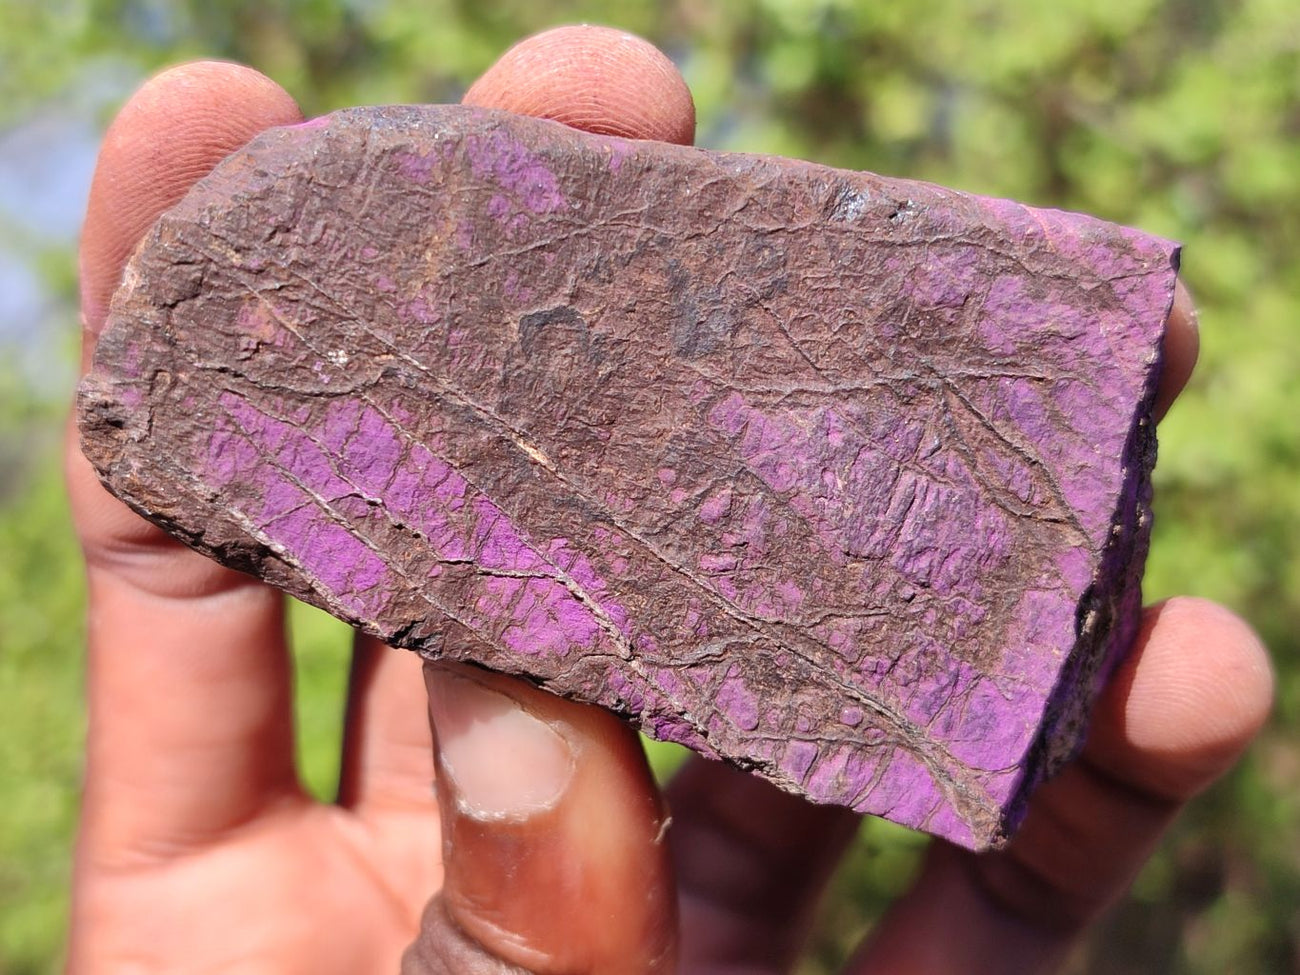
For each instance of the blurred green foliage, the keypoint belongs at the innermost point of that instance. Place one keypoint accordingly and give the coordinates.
(1179, 116)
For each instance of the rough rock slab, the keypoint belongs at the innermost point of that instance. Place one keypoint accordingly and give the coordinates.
(840, 478)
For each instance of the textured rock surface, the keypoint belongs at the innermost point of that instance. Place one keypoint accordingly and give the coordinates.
(840, 478)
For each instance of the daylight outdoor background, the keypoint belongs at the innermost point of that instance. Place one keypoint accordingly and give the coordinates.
(1178, 116)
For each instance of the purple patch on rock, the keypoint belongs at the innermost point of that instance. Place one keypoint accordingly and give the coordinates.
(843, 479)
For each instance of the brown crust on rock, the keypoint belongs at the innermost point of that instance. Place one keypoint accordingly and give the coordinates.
(843, 479)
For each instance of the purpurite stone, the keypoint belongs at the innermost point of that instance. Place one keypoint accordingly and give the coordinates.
(842, 479)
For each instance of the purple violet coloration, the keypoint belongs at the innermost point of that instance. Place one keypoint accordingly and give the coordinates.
(839, 478)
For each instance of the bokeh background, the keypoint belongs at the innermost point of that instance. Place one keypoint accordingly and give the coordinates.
(1178, 116)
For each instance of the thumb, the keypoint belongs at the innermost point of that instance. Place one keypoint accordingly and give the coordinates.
(553, 837)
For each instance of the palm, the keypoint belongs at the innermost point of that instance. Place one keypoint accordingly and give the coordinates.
(306, 887)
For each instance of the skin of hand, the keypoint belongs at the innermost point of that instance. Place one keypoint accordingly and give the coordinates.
(545, 845)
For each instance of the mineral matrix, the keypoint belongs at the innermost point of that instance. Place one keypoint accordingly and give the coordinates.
(843, 479)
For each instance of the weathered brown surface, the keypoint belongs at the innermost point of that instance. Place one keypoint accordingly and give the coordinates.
(842, 479)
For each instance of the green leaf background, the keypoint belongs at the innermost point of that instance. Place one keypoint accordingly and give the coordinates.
(1178, 116)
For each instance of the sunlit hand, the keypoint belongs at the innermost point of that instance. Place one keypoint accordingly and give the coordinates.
(546, 845)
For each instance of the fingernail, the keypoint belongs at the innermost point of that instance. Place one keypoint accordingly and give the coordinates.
(501, 763)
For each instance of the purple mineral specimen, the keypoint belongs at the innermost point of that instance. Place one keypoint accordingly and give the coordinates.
(842, 479)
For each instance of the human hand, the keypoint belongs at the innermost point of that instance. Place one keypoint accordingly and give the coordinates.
(199, 850)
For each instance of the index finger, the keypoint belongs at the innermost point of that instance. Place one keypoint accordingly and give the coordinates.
(189, 686)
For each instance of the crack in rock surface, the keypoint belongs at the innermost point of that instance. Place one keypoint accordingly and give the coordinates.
(843, 479)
